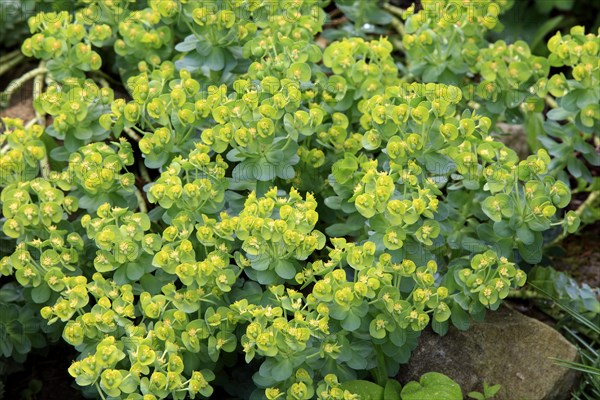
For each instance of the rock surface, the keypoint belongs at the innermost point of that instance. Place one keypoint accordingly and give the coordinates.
(508, 348)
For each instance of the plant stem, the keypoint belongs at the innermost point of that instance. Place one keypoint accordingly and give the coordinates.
(30, 123)
(144, 173)
(592, 198)
(45, 165)
(9, 56)
(17, 83)
(129, 132)
(141, 201)
(337, 22)
(398, 26)
(103, 82)
(525, 294)
(100, 391)
(380, 372)
(392, 9)
(397, 43)
(8, 65)
(103, 76)
(551, 102)
(38, 86)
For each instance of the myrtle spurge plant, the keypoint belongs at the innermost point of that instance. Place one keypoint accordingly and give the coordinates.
(576, 116)
(76, 107)
(306, 210)
(445, 42)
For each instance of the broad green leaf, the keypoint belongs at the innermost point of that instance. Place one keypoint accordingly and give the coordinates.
(285, 269)
(365, 389)
(432, 386)
(392, 390)
(215, 60)
(41, 294)
(459, 317)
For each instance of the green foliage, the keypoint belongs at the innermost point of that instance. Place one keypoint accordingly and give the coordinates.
(21, 327)
(488, 392)
(581, 299)
(432, 386)
(311, 209)
(364, 12)
(76, 107)
(578, 113)
(510, 82)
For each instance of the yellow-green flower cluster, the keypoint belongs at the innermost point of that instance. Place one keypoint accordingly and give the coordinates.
(508, 72)
(64, 42)
(275, 231)
(47, 247)
(443, 38)
(364, 67)
(489, 278)
(578, 97)
(76, 106)
(118, 235)
(96, 170)
(195, 185)
(21, 150)
(154, 355)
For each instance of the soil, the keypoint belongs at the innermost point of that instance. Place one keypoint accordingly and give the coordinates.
(20, 102)
(580, 255)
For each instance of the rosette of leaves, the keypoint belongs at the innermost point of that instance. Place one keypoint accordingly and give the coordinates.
(225, 36)
(76, 107)
(507, 74)
(94, 175)
(443, 39)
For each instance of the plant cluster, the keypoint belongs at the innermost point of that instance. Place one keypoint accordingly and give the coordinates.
(508, 82)
(21, 327)
(306, 210)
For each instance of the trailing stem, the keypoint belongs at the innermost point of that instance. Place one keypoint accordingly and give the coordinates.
(6, 64)
(129, 132)
(589, 202)
(38, 86)
(9, 56)
(392, 9)
(17, 83)
(144, 172)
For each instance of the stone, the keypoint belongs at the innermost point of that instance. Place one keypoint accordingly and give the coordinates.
(508, 348)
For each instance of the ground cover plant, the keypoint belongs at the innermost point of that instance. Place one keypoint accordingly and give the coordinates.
(232, 198)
